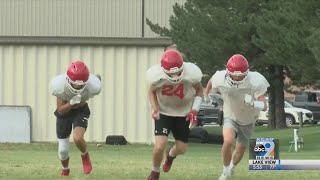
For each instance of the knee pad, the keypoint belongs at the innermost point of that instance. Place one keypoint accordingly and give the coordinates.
(63, 150)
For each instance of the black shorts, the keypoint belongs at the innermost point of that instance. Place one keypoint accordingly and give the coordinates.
(76, 117)
(178, 125)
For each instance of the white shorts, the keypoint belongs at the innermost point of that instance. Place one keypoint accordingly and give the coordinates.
(243, 132)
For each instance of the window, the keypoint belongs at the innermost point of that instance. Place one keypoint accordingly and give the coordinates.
(312, 97)
(287, 105)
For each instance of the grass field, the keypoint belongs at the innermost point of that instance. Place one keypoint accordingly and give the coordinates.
(202, 161)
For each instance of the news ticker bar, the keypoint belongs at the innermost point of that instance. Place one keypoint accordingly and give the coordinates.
(277, 164)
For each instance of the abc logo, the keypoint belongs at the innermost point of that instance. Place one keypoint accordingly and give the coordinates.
(260, 149)
(264, 148)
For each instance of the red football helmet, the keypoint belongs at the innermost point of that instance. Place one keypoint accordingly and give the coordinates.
(172, 65)
(237, 69)
(77, 75)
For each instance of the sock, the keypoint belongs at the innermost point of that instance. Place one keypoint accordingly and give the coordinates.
(65, 168)
(231, 164)
(171, 154)
(82, 154)
(225, 169)
(156, 169)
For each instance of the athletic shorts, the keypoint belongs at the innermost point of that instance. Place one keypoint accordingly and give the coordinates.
(75, 117)
(177, 125)
(243, 132)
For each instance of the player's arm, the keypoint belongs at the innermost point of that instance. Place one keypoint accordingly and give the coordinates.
(206, 92)
(192, 116)
(260, 103)
(198, 96)
(264, 101)
(261, 88)
(208, 88)
(199, 89)
(153, 98)
(63, 106)
(76, 106)
(154, 102)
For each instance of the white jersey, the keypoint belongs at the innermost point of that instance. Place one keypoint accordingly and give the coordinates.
(59, 87)
(233, 96)
(175, 99)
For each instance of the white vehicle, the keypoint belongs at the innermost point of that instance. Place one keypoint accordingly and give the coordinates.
(292, 115)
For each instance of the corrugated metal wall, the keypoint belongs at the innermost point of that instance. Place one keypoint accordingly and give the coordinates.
(95, 18)
(121, 108)
(104, 18)
(159, 11)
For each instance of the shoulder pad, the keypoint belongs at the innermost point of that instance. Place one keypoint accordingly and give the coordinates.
(218, 79)
(94, 85)
(154, 74)
(192, 72)
(258, 82)
(57, 84)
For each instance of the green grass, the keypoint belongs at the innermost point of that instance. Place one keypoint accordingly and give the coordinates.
(202, 161)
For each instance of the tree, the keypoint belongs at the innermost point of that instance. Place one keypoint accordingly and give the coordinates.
(272, 34)
(283, 35)
(199, 30)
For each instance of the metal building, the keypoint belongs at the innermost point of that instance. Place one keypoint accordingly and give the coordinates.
(94, 18)
(38, 39)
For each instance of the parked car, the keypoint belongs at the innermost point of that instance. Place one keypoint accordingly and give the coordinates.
(211, 113)
(309, 100)
(292, 115)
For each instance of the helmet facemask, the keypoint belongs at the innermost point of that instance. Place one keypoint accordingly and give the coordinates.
(76, 87)
(174, 75)
(232, 77)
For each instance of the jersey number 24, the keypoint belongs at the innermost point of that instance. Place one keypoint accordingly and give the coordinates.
(169, 90)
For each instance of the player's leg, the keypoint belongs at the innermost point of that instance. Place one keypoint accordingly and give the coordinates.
(178, 149)
(161, 132)
(63, 152)
(229, 134)
(180, 131)
(80, 124)
(244, 134)
(78, 137)
(63, 130)
(237, 156)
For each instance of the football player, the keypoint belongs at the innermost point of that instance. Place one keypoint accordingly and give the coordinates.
(73, 90)
(243, 94)
(175, 94)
